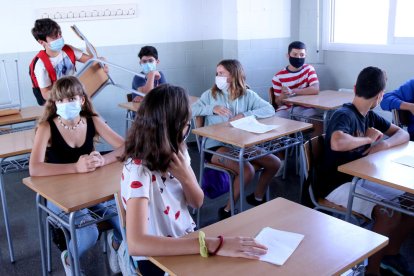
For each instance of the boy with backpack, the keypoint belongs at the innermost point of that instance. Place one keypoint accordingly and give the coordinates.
(56, 60)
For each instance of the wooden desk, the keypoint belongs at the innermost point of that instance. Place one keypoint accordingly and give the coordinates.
(132, 107)
(12, 145)
(246, 144)
(327, 100)
(26, 114)
(71, 193)
(380, 168)
(330, 246)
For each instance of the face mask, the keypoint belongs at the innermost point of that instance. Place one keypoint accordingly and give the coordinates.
(296, 62)
(68, 111)
(221, 83)
(57, 45)
(148, 67)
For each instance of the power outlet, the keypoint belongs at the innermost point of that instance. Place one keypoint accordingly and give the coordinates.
(81, 13)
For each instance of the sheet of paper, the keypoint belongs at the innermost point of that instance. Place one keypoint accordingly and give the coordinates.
(407, 160)
(250, 124)
(280, 244)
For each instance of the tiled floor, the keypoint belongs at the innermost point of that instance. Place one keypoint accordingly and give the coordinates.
(21, 202)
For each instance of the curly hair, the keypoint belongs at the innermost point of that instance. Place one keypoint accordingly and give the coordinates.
(157, 131)
(237, 85)
(45, 27)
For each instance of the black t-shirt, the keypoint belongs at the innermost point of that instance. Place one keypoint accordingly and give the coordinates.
(59, 152)
(348, 120)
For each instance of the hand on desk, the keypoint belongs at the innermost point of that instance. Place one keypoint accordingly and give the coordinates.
(222, 111)
(374, 134)
(89, 163)
(243, 247)
(238, 116)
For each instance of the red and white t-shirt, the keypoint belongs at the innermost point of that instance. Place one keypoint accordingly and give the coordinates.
(300, 79)
(168, 214)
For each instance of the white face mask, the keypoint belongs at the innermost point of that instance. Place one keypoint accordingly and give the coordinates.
(221, 83)
(69, 111)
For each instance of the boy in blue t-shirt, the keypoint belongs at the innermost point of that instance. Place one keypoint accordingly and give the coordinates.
(148, 59)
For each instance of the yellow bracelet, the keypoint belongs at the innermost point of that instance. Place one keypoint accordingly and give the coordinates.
(202, 242)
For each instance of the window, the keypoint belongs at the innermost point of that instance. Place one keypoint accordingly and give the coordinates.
(383, 26)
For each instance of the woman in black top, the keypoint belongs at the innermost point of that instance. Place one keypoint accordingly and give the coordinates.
(64, 143)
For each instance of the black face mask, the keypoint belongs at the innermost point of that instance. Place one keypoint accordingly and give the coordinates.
(296, 62)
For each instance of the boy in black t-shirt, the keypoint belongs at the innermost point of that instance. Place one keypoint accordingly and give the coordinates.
(354, 131)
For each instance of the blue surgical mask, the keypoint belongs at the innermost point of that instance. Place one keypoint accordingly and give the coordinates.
(57, 45)
(148, 67)
(69, 111)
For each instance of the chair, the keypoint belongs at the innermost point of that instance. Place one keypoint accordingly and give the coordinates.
(401, 117)
(272, 98)
(132, 265)
(314, 150)
(94, 78)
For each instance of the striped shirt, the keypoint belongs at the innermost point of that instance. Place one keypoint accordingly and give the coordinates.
(300, 79)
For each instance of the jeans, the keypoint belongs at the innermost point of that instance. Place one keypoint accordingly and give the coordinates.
(87, 236)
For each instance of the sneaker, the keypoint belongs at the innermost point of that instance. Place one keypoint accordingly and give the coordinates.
(124, 261)
(68, 269)
(223, 214)
(253, 201)
(397, 264)
(112, 255)
(63, 256)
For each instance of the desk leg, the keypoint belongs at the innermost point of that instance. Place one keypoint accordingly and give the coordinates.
(74, 238)
(39, 202)
(241, 178)
(6, 218)
(351, 199)
(301, 170)
(202, 154)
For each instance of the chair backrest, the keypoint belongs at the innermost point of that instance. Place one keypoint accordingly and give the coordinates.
(198, 121)
(272, 98)
(400, 117)
(121, 213)
(93, 78)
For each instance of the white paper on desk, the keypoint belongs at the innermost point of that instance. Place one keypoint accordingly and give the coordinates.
(250, 124)
(407, 160)
(280, 244)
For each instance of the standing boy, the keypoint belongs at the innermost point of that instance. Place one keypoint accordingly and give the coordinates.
(354, 131)
(148, 60)
(56, 60)
(297, 78)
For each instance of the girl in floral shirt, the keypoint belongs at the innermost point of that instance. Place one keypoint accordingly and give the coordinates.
(158, 184)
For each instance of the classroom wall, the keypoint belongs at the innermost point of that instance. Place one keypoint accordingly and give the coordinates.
(191, 37)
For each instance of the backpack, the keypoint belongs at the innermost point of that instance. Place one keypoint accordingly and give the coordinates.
(49, 68)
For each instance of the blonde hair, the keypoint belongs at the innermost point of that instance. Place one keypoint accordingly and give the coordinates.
(66, 87)
(237, 85)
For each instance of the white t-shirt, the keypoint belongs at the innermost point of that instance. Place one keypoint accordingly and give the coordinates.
(62, 64)
(168, 214)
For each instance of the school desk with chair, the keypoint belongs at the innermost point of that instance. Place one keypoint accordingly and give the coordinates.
(327, 101)
(14, 150)
(393, 168)
(329, 247)
(71, 193)
(247, 146)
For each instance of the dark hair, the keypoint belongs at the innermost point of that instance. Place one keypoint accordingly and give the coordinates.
(66, 87)
(237, 85)
(370, 82)
(296, 45)
(148, 51)
(45, 27)
(157, 131)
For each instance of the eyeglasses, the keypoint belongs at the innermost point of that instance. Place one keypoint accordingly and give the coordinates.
(187, 132)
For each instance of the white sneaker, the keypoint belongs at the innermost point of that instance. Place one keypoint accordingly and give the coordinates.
(112, 254)
(68, 270)
(124, 261)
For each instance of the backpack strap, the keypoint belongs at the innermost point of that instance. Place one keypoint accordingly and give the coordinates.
(48, 65)
(71, 54)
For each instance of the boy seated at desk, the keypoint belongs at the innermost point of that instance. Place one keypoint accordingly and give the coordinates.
(353, 132)
(297, 78)
(148, 60)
